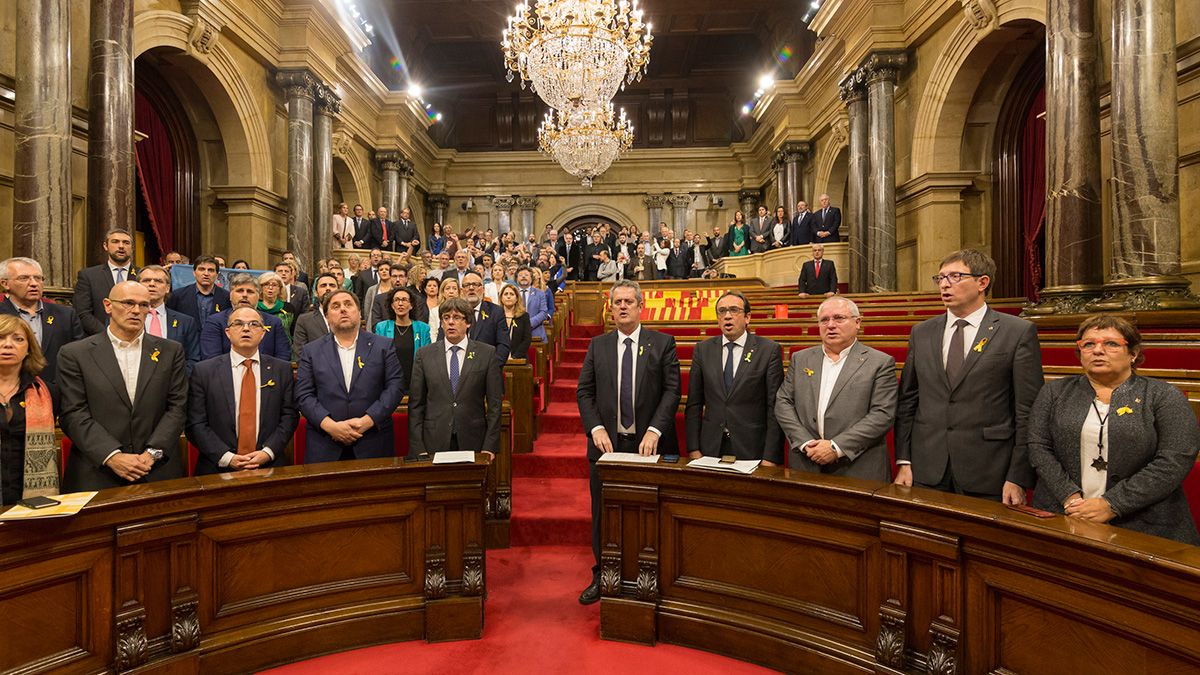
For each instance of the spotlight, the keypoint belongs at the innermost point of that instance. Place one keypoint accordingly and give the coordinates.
(438, 117)
(816, 4)
(766, 81)
(746, 109)
(414, 90)
(369, 28)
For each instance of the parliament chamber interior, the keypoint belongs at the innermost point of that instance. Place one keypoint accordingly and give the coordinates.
(621, 336)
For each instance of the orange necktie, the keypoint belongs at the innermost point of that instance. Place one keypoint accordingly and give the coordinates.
(247, 439)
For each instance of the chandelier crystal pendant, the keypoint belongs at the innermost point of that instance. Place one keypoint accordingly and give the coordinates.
(576, 54)
(585, 142)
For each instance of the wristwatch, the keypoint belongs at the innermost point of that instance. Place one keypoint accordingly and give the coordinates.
(155, 453)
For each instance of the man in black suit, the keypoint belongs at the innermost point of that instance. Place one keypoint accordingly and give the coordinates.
(53, 325)
(457, 389)
(241, 409)
(94, 283)
(244, 291)
(970, 378)
(802, 225)
(628, 392)
(817, 276)
(718, 245)
(161, 321)
(124, 399)
(731, 390)
(678, 261)
(487, 322)
(383, 231)
(406, 236)
(828, 220)
(362, 227)
(571, 252)
(312, 325)
(294, 293)
(462, 267)
(203, 298)
(366, 277)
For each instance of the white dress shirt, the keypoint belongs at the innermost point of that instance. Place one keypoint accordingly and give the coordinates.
(1092, 482)
(737, 353)
(239, 372)
(112, 272)
(830, 370)
(974, 319)
(462, 354)
(129, 362)
(777, 231)
(346, 356)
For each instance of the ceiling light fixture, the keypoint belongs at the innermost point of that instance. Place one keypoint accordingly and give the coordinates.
(585, 142)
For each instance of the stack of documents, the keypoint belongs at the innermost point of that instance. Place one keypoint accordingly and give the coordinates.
(628, 458)
(740, 466)
(454, 457)
(69, 505)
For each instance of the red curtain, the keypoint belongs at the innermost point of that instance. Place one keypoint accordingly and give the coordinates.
(1032, 167)
(156, 171)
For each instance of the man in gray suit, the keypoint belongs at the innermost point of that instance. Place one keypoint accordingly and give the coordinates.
(970, 378)
(839, 399)
(731, 389)
(760, 231)
(457, 389)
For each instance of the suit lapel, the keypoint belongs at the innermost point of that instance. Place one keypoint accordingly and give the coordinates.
(267, 375)
(816, 362)
(226, 382)
(106, 359)
(935, 339)
(362, 350)
(639, 353)
(740, 373)
(334, 356)
(150, 356)
(987, 331)
(856, 358)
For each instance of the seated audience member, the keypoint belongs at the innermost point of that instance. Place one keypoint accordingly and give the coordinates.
(312, 325)
(487, 324)
(123, 399)
(203, 298)
(817, 276)
(734, 379)
(162, 321)
(53, 325)
(348, 384)
(460, 411)
(516, 321)
(29, 453)
(272, 302)
(94, 283)
(254, 431)
(243, 292)
(406, 333)
(843, 429)
(1112, 446)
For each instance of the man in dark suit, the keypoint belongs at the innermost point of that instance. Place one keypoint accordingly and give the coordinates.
(243, 292)
(164, 322)
(406, 236)
(760, 231)
(241, 409)
(312, 325)
(383, 231)
(296, 294)
(571, 252)
(802, 225)
(462, 266)
(731, 390)
(970, 378)
(487, 321)
(457, 389)
(718, 245)
(535, 303)
(348, 384)
(53, 325)
(124, 399)
(828, 220)
(366, 277)
(817, 276)
(94, 283)
(362, 227)
(839, 400)
(678, 261)
(628, 392)
(203, 298)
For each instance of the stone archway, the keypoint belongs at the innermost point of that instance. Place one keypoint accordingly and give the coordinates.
(600, 212)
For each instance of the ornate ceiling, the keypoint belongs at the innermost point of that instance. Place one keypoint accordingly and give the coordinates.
(705, 64)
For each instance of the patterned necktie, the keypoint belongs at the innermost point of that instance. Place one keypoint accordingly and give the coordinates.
(626, 394)
(454, 370)
(729, 367)
(956, 357)
(246, 409)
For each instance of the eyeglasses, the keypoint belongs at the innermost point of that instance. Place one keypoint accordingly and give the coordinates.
(953, 277)
(130, 304)
(26, 278)
(836, 318)
(730, 311)
(1108, 345)
(471, 284)
(254, 325)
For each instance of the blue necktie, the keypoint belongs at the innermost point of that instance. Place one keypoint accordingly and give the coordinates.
(729, 367)
(454, 370)
(120, 274)
(626, 401)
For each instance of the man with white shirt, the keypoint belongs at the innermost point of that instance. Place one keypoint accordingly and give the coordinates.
(123, 398)
(94, 283)
(839, 400)
(634, 411)
(253, 432)
(53, 324)
(970, 378)
(162, 321)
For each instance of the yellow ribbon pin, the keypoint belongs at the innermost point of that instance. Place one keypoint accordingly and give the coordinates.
(470, 355)
(748, 355)
(1124, 410)
(270, 383)
(50, 321)
(360, 363)
(641, 350)
(808, 372)
(980, 345)
(174, 323)
(154, 355)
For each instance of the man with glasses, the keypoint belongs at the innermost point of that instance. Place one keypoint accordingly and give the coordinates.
(162, 321)
(731, 390)
(203, 298)
(487, 319)
(123, 399)
(839, 400)
(94, 283)
(253, 432)
(243, 292)
(818, 276)
(970, 378)
(53, 324)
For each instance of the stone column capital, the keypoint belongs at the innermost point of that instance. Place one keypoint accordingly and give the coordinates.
(389, 160)
(528, 202)
(749, 195)
(681, 201)
(299, 83)
(884, 66)
(852, 87)
(504, 203)
(795, 151)
(327, 100)
(439, 199)
(654, 201)
(406, 168)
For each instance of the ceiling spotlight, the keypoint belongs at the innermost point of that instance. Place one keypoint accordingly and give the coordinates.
(746, 109)
(414, 90)
(766, 81)
(816, 4)
(438, 117)
(369, 28)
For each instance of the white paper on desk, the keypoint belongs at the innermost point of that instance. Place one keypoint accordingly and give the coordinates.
(740, 466)
(454, 457)
(628, 458)
(69, 504)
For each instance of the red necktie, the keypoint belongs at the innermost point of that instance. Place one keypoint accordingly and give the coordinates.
(818, 268)
(384, 224)
(247, 439)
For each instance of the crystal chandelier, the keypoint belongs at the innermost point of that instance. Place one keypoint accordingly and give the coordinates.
(585, 142)
(576, 53)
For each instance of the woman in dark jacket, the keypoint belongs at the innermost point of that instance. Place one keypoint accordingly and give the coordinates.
(1111, 446)
(516, 319)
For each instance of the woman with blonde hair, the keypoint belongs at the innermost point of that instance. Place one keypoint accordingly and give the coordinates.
(516, 319)
(271, 301)
(447, 290)
(29, 453)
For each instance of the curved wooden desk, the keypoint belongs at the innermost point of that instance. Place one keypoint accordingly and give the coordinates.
(235, 573)
(807, 573)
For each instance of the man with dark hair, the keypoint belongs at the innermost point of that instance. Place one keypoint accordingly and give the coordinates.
(94, 283)
(361, 227)
(243, 292)
(295, 293)
(368, 276)
(970, 378)
(54, 325)
(406, 235)
(312, 325)
(203, 298)
(162, 321)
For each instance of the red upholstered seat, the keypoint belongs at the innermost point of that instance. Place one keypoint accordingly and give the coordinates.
(685, 352)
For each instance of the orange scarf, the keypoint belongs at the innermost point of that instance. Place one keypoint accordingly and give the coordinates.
(41, 450)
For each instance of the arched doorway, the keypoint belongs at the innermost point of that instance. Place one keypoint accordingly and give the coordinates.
(576, 225)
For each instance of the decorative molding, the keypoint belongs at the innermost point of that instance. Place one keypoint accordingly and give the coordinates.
(439, 199)
(503, 503)
(749, 196)
(342, 142)
(327, 100)
(203, 37)
(982, 14)
(654, 201)
(647, 580)
(132, 646)
(794, 152)
(852, 87)
(889, 645)
(504, 203)
(943, 652)
(297, 83)
(185, 627)
(610, 574)
(473, 571)
(435, 573)
(839, 133)
(884, 66)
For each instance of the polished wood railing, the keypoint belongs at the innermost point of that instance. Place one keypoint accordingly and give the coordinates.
(233, 573)
(808, 573)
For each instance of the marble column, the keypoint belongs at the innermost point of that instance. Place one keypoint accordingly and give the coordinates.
(1145, 270)
(654, 216)
(857, 211)
(679, 213)
(504, 206)
(390, 165)
(328, 104)
(112, 198)
(42, 138)
(299, 87)
(528, 206)
(793, 159)
(406, 172)
(748, 200)
(780, 166)
(882, 70)
(439, 202)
